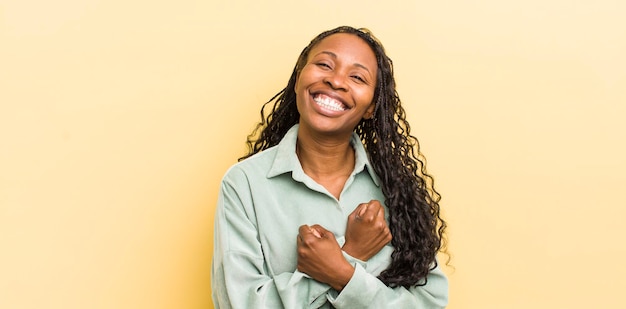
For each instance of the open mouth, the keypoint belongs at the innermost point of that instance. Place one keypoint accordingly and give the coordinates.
(329, 103)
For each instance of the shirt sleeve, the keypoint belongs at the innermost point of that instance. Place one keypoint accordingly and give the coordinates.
(364, 290)
(240, 277)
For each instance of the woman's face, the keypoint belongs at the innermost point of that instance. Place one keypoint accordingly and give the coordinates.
(335, 88)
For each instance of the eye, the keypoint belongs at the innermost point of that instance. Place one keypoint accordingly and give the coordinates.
(358, 78)
(323, 65)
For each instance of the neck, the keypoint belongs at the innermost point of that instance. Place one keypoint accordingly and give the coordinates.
(325, 157)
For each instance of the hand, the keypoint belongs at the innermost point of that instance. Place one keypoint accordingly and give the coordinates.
(320, 257)
(367, 231)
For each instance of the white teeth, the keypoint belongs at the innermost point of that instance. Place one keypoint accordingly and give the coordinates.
(329, 103)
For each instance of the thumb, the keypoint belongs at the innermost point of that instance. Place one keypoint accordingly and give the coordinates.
(319, 231)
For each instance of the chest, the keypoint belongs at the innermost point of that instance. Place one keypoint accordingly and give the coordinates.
(284, 205)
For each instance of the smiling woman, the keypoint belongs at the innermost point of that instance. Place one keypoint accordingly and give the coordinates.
(334, 90)
(332, 206)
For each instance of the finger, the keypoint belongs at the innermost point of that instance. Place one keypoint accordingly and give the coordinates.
(303, 229)
(371, 212)
(374, 204)
(315, 232)
(324, 233)
(303, 232)
(320, 229)
(380, 212)
(360, 210)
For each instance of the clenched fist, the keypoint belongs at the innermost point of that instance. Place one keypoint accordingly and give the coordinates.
(367, 231)
(320, 257)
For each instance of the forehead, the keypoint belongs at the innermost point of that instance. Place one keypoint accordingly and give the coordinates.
(347, 46)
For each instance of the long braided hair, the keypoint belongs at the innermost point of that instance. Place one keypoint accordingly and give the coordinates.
(414, 213)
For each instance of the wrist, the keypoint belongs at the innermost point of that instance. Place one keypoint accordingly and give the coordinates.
(343, 275)
(351, 252)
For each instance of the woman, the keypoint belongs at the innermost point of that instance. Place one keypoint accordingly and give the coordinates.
(331, 207)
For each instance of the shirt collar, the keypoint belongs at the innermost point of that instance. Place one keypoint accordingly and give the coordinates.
(286, 159)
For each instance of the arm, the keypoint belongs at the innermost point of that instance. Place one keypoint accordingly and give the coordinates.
(366, 232)
(365, 291)
(240, 277)
(320, 257)
(366, 235)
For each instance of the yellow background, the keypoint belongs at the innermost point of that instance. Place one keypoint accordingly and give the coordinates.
(118, 119)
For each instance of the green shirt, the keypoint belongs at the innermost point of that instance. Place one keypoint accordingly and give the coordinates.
(262, 202)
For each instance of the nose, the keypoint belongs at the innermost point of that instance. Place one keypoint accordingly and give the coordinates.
(336, 80)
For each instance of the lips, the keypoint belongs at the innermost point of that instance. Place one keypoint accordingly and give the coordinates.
(329, 103)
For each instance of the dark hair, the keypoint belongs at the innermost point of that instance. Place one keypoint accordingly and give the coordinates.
(414, 213)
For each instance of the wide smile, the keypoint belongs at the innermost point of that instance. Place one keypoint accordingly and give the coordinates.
(329, 103)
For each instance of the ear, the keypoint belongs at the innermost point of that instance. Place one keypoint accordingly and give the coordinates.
(369, 113)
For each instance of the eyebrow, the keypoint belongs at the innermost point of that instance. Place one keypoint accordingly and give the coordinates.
(335, 56)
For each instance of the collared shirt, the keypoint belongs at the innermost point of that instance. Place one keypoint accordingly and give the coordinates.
(262, 202)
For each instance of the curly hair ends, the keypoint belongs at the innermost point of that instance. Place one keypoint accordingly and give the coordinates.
(415, 220)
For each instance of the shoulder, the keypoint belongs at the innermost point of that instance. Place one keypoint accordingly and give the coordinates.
(269, 162)
(255, 166)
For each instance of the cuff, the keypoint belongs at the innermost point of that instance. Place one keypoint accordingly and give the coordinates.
(355, 294)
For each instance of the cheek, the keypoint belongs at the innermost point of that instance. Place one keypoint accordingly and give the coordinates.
(295, 86)
(300, 92)
(301, 81)
(366, 96)
(304, 76)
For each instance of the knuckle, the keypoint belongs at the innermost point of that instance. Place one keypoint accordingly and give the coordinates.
(381, 226)
(388, 235)
(308, 241)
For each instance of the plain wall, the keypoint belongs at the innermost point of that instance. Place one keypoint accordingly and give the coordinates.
(119, 118)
